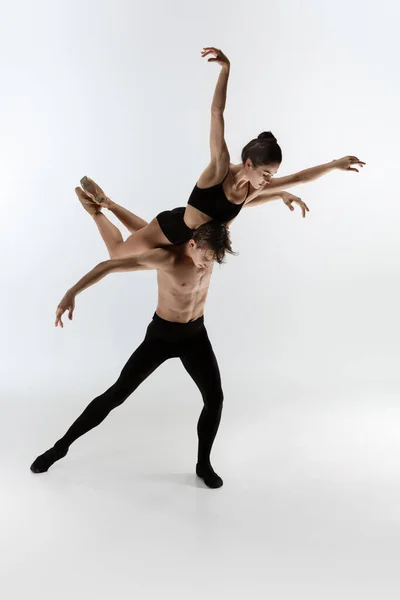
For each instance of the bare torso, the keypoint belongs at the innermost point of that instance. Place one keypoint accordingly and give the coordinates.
(182, 290)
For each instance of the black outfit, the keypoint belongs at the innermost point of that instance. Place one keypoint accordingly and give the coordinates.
(210, 201)
(163, 340)
(174, 227)
(213, 202)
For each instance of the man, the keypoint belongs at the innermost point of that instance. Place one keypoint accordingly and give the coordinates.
(177, 330)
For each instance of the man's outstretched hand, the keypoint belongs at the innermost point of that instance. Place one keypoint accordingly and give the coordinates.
(66, 304)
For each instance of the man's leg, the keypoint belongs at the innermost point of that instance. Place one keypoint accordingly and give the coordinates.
(201, 364)
(148, 356)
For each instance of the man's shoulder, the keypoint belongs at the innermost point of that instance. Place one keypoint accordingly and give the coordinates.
(159, 259)
(165, 258)
(173, 260)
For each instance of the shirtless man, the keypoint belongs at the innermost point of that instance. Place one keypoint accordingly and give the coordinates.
(177, 330)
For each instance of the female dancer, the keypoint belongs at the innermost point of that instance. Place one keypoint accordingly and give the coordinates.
(223, 189)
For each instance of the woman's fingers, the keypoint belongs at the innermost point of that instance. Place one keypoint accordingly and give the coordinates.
(59, 314)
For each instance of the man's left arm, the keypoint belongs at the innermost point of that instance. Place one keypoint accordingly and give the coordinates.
(154, 260)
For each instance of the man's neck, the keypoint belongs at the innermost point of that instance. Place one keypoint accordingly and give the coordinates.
(182, 255)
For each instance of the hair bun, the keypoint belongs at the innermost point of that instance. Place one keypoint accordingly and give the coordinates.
(267, 136)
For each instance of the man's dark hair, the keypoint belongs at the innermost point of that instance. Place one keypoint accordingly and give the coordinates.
(216, 237)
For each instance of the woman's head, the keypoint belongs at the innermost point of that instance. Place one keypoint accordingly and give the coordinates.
(262, 158)
(210, 242)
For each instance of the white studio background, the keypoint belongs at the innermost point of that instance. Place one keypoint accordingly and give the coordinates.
(304, 321)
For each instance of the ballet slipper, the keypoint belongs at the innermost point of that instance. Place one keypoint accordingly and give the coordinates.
(94, 191)
(88, 204)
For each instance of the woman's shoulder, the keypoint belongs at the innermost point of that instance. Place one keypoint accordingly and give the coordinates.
(214, 174)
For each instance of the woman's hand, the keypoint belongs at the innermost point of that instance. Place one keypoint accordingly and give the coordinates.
(67, 303)
(290, 199)
(346, 163)
(219, 56)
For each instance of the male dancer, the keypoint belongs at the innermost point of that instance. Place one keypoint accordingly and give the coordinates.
(177, 330)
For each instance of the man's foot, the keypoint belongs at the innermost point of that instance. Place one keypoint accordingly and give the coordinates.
(44, 461)
(209, 476)
(95, 192)
(88, 204)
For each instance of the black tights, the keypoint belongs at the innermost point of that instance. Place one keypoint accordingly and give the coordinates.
(164, 340)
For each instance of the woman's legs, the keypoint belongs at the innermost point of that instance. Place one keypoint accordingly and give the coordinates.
(145, 239)
(96, 195)
(132, 222)
(145, 236)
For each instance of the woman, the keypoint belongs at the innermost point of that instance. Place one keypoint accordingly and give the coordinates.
(223, 188)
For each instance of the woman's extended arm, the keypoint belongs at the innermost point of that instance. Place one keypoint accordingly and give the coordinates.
(347, 163)
(219, 154)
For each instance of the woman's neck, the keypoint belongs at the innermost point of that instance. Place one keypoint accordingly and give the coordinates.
(239, 175)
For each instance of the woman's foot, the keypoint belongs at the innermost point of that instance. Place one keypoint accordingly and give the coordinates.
(208, 475)
(95, 192)
(88, 204)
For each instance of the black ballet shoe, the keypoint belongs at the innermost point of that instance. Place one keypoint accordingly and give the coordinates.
(46, 460)
(209, 476)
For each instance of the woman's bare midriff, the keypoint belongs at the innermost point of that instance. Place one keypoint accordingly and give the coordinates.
(194, 218)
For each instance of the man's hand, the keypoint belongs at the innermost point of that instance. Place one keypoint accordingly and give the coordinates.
(67, 303)
(290, 199)
(219, 56)
(345, 163)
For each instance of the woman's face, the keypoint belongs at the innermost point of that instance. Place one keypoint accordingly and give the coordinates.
(260, 177)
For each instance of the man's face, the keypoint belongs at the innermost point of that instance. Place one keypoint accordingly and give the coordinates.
(202, 257)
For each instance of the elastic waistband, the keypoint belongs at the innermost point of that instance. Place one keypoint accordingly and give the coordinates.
(174, 332)
(190, 324)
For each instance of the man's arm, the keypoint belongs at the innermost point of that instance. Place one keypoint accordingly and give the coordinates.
(158, 259)
(277, 184)
(155, 259)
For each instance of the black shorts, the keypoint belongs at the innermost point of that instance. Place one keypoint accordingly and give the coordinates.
(174, 227)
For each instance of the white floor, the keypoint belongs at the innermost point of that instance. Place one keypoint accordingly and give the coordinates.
(310, 507)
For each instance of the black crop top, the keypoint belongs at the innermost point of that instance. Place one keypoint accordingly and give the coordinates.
(213, 202)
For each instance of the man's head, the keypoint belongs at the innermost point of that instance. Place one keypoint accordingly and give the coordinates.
(210, 242)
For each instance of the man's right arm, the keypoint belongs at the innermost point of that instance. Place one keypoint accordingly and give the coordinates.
(158, 259)
(155, 259)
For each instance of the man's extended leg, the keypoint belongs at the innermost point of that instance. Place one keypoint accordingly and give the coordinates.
(201, 364)
(148, 356)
